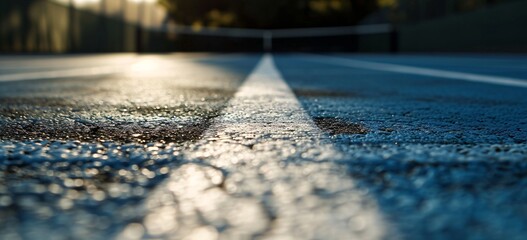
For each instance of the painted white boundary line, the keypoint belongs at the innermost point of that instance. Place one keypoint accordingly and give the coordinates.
(265, 170)
(78, 72)
(386, 67)
(131, 66)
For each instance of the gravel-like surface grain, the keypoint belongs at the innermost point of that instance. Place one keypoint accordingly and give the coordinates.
(80, 155)
(443, 159)
(173, 147)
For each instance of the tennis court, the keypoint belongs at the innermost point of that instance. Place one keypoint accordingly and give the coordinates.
(276, 119)
(274, 145)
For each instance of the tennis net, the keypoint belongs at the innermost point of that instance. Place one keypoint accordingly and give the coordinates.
(378, 37)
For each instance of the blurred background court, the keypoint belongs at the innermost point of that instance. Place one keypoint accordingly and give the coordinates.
(89, 26)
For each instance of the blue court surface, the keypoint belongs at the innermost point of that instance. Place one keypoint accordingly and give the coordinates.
(272, 146)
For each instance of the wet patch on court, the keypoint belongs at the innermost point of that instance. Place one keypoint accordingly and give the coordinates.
(314, 93)
(121, 124)
(335, 126)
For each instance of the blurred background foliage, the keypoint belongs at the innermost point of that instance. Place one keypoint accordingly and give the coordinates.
(269, 13)
(137, 25)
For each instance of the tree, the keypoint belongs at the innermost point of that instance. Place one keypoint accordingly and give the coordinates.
(268, 13)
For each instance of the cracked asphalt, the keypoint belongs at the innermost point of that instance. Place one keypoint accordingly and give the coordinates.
(245, 146)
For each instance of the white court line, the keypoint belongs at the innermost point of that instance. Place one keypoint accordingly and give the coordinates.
(265, 170)
(132, 67)
(386, 67)
(77, 72)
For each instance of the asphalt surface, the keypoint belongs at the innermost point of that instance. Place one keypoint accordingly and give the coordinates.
(296, 146)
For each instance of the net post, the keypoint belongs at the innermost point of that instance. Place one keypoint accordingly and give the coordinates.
(267, 41)
(394, 40)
